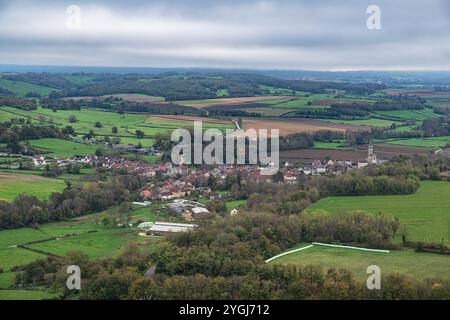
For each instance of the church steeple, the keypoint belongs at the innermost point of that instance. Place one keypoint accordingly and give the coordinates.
(371, 157)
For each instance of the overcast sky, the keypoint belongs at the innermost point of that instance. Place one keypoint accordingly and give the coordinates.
(267, 34)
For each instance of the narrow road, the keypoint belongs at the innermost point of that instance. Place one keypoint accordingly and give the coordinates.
(236, 123)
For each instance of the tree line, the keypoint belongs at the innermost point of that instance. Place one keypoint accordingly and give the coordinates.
(19, 103)
(12, 135)
(185, 85)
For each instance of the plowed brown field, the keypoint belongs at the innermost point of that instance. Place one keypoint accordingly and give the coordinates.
(289, 126)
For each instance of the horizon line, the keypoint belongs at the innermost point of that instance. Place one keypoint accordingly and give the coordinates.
(400, 70)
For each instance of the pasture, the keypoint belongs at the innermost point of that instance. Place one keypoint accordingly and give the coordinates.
(414, 264)
(372, 122)
(329, 144)
(87, 119)
(433, 142)
(22, 88)
(13, 184)
(418, 115)
(126, 124)
(59, 148)
(27, 294)
(424, 215)
(86, 233)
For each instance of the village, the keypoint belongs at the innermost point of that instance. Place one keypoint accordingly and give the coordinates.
(178, 186)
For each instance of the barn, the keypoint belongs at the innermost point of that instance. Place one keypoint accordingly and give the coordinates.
(163, 228)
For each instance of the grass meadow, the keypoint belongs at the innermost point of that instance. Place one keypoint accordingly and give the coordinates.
(414, 264)
(59, 148)
(12, 184)
(425, 215)
(433, 142)
(86, 234)
(22, 88)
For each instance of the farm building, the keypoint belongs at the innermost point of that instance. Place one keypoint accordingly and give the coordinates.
(145, 226)
(163, 228)
(144, 203)
(195, 213)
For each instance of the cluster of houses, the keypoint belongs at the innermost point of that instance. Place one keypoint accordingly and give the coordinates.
(181, 180)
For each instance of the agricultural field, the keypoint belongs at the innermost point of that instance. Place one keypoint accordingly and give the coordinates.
(307, 156)
(205, 103)
(328, 145)
(433, 142)
(297, 104)
(86, 234)
(372, 122)
(126, 124)
(291, 125)
(28, 294)
(414, 264)
(59, 148)
(418, 115)
(323, 150)
(187, 121)
(22, 88)
(12, 184)
(424, 215)
(267, 112)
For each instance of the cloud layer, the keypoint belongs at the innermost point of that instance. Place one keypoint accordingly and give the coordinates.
(274, 34)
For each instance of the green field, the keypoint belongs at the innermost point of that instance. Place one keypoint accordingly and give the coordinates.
(103, 243)
(291, 104)
(22, 88)
(6, 279)
(86, 234)
(127, 124)
(27, 294)
(434, 142)
(328, 145)
(425, 214)
(415, 264)
(235, 204)
(366, 122)
(12, 185)
(59, 148)
(419, 115)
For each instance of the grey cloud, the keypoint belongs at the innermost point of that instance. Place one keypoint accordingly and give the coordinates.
(229, 33)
